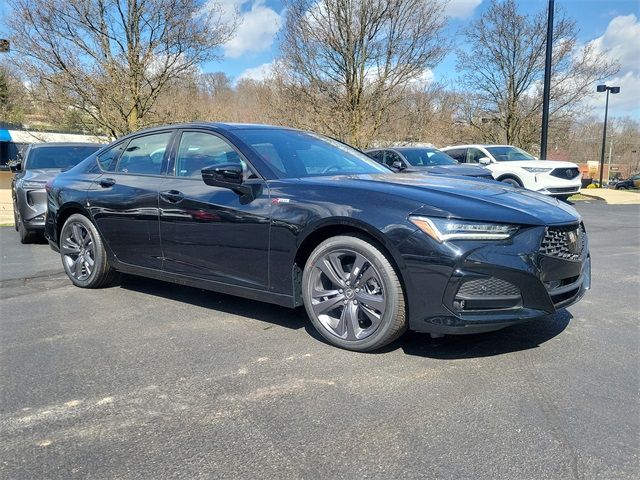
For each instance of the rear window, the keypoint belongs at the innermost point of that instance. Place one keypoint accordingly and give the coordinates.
(58, 156)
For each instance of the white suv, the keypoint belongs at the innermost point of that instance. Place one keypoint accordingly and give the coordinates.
(515, 166)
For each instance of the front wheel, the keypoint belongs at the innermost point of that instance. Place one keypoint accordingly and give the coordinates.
(353, 294)
(83, 255)
(511, 181)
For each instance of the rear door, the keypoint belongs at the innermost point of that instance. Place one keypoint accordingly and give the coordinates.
(124, 199)
(208, 232)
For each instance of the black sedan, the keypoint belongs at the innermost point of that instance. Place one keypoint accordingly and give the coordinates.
(294, 218)
(42, 162)
(425, 160)
(629, 183)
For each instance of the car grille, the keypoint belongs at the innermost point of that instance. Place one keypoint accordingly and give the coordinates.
(563, 242)
(566, 173)
(489, 287)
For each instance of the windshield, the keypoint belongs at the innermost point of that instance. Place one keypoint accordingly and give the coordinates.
(509, 154)
(58, 156)
(295, 154)
(427, 157)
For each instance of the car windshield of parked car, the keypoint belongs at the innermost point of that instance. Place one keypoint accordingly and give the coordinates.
(296, 154)
(427, 157)
(509, 154)
(58, 157)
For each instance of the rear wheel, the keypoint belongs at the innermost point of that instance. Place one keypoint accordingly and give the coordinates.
(83, 255)
(353, 294)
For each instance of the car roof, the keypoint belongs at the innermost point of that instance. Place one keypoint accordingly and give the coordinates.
(215, 125)
(66, 144)
(476, 145)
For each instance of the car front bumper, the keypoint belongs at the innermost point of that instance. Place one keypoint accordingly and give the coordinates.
(511, 281)
(32, 204)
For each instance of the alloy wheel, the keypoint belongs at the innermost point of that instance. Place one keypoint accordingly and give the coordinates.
(77, 248)
(347, 294)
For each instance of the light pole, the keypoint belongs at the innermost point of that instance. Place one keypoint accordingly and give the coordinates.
(614, 90)
(547, 82)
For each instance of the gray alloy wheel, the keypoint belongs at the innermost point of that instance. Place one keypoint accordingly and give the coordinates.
(353, 295)
(511, 181)
(83, 255)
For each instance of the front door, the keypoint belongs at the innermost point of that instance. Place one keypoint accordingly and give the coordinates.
(124, 199)
(208, 232)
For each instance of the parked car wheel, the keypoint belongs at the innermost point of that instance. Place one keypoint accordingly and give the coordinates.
(83, 255)
(563, 198)
(621, 187)
(25, 235)
(511, 181)
(15, 216)
(353, 294)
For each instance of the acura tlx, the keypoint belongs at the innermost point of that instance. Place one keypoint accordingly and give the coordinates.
(295, 218)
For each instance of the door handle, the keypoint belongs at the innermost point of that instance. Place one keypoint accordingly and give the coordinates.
(172, 196)
(106, 182)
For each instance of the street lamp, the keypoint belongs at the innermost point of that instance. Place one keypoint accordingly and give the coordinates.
(613, 90)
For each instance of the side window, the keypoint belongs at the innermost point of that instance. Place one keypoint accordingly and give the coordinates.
(377, 155)
(459, 154)
(198, 150)
(390, 157)
(109, 159)
(474, 155)
(144, 155)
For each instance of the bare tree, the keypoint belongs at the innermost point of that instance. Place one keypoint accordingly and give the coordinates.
(347, 62)
(504, 66)
(112, 59)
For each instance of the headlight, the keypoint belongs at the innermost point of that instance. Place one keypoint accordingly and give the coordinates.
(442, 229)
(28, 184)
(536, 169)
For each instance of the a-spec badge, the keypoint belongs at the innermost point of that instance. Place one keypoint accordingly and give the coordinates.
(279, 201)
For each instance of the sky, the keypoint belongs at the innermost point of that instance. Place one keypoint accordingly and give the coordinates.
(614, 26)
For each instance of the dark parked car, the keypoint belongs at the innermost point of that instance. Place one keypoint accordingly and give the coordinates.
(41, 162)
(294, 218)
(631, 182)
(426, 160)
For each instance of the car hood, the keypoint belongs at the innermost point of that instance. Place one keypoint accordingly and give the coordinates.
(465, 170)
(457, 197)
(43, 176)
(540, 164)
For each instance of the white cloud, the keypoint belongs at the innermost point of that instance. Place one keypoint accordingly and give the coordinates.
(257, 27)
(259, 73)
(461, 8)
(620, 42)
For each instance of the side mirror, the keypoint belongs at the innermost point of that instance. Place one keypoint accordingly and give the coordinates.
(226, 175)
(397, 164)
(16, 167)
(484, 161)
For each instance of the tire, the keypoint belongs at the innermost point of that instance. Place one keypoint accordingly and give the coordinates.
(81, 244)
(26, 236)
(15, 216)
(511, 181)
(563, 198)
(622, 187)
(362, 312)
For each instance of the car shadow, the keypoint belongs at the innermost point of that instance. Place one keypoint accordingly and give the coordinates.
(252, 309)
(516, 338)
(519, 337)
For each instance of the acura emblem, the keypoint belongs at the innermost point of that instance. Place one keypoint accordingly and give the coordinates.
(572, 241)
(568, 172)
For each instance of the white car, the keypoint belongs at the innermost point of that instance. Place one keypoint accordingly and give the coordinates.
(515, 166)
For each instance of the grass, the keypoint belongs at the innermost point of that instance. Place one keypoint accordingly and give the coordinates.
(579, 197)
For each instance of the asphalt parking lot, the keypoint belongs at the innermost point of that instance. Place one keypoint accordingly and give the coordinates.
(153, 380)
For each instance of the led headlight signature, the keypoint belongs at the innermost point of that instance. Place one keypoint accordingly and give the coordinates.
(443, 229)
